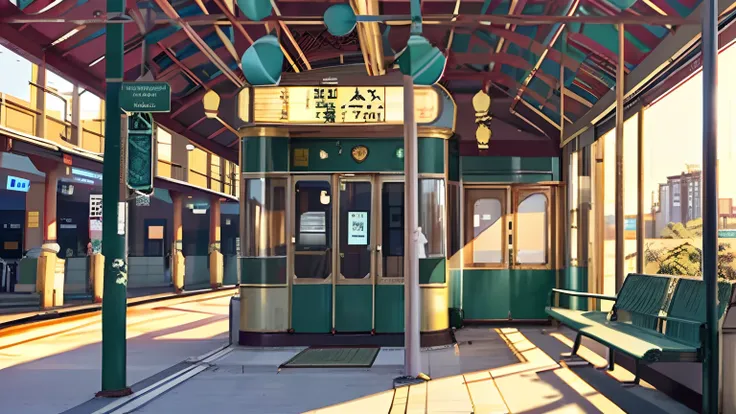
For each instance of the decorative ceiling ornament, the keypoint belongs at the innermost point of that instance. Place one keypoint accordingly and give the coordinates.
(483, 118)
(255, 10)
(340, 20)
(422, 61)
(263, 61)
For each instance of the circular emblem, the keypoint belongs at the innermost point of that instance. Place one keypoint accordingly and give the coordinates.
(359, 153)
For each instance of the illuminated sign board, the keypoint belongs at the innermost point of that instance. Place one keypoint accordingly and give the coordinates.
(18, 184)
(341, 105)
(86, 173)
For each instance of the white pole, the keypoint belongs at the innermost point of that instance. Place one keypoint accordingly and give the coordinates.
(412, 358)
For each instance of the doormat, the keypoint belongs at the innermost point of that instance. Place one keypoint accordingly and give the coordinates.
(333, 357)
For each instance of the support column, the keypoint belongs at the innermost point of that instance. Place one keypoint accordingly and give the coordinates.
(216, 260)
(412, 356)
(41, 98)
(177, 256)
(76, 117)
(46, 267)
(620, 161)
(640, 225)
(711, 361)
(114, 381)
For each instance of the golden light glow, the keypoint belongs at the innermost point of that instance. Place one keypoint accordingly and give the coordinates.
(340, 105)
(211, 102)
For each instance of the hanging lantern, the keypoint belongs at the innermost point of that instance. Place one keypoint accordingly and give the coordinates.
(483, 136)
(481, 103)
(211, 102)
(255, 10)
(263, 61)
(483, 118)
(340, 19)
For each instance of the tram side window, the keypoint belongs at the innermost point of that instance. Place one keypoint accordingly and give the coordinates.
(265, 219)
(431, 216)
(487, 231)
(531, 230)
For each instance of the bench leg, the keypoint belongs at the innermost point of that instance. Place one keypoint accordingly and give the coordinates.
(637, 376)
(572, 358)
(611, 359)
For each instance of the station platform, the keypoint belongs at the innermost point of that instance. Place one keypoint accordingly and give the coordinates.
(489, 370)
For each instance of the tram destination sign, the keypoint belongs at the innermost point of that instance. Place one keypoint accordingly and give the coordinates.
(145, 97)
(341, 105)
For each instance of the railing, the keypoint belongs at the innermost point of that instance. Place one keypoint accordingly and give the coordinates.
(169, 169)
(17, 114)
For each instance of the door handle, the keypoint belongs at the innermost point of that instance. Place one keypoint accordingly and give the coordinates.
(378, 248)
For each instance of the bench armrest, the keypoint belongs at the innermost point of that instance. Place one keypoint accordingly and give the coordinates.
(584, 294)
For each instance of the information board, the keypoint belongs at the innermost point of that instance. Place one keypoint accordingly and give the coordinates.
(358, 228)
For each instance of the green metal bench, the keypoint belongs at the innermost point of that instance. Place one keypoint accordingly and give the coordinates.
(654, 319)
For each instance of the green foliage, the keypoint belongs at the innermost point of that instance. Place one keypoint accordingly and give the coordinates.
(686, 259)
(693, 229)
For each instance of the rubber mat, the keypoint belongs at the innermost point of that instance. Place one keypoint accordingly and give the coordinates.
(334, 357)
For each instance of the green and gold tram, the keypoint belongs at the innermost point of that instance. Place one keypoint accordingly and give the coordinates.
(322, 228)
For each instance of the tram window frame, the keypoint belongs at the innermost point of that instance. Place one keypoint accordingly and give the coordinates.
(274, 203)
(432, 206)
(471, 196)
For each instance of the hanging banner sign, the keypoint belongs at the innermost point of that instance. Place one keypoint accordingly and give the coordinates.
(140, 152)
(358, 228)
(341, 105)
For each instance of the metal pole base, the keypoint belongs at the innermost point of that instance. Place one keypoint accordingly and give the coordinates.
(407, 380)
(115, 393)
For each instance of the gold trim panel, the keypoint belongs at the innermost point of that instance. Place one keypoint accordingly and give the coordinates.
(263, 131)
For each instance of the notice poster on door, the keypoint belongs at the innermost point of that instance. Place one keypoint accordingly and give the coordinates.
(358, 228)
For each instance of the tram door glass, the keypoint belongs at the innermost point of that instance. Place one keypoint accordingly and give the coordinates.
(531, 227)
(313, 229)
(485, 227)
(355, 229)
(392, 230)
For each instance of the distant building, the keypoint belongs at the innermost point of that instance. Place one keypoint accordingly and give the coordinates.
(682, 198)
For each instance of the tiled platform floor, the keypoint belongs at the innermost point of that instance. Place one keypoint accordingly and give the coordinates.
(504, 370)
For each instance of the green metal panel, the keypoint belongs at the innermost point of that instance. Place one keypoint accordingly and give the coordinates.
(529, 292)
(510, 169)
(575, 278)
(432, 270)
(432, 158)
(265, 154)
(311, 308)
(507, 178)
(263, 270)
(353, 308)
(453, 160)
(381, 155)
(486, 294)
(389, 308)
(454, 285)
(27, 271)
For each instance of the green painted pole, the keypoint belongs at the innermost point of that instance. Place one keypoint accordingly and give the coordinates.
(113, 242)
(711, 360)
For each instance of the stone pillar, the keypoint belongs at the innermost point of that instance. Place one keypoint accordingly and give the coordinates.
(177, 256)
(215, 250)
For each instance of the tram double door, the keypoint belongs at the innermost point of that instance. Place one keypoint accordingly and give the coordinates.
(510, 256)
(347, 236)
